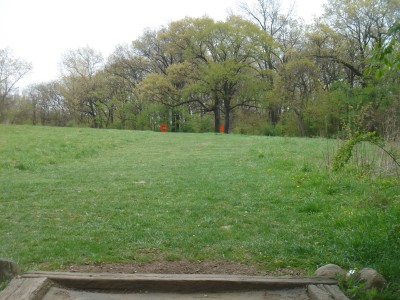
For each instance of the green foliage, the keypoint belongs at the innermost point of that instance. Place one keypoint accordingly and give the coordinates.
(288, 124)
(272, 130)
(355, 289)
(195, 123)
(250, 122)
(386, 55)
(344, 153)
(3, 284)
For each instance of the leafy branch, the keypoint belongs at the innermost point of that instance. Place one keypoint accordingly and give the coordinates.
(344, 153)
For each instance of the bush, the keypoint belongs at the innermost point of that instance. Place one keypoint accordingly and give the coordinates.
(272, 130)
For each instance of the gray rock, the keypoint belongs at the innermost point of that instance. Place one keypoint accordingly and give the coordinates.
(8, 269)
(330, 270)
(371, 278)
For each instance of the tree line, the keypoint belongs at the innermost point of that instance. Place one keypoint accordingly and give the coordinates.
(262, 71)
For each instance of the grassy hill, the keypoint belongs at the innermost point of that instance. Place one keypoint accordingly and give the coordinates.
(75, 196)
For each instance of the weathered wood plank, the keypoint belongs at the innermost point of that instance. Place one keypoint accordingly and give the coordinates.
(188, 277)
(316, 293)
(325, 292)
(26, 289)
(336, 293)
(175, 283)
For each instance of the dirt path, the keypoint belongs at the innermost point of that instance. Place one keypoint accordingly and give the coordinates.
(183, 267)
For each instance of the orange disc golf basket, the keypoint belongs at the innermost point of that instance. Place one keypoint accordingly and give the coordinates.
(163, 127)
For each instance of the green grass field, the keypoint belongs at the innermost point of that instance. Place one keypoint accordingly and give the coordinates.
(76, 196)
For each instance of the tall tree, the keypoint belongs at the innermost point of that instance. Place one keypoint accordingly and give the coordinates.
(153, 46)
(298, 84)
(286, 33)
(125, 70)
(48, 104)
(361, 25)
(126, 64)
(81, 82)
(12, 70)
(220, 71)
(279, 24)
(227, 55)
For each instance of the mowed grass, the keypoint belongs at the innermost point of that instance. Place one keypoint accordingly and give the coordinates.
(76, 196)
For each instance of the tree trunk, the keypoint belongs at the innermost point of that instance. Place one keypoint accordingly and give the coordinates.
(274, 112)
(227, 111)
(217, 119)
(3, 104)
(300, 122)
(175, 122)
(34, 112)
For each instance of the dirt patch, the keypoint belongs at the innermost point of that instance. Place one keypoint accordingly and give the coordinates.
(183, 267)
(60, 294)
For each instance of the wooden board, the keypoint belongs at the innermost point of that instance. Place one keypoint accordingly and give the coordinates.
(39, 285)
(26, 289)
(176, 283)
(321, 292)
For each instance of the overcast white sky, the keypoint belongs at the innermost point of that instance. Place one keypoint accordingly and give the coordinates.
(40, 31)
